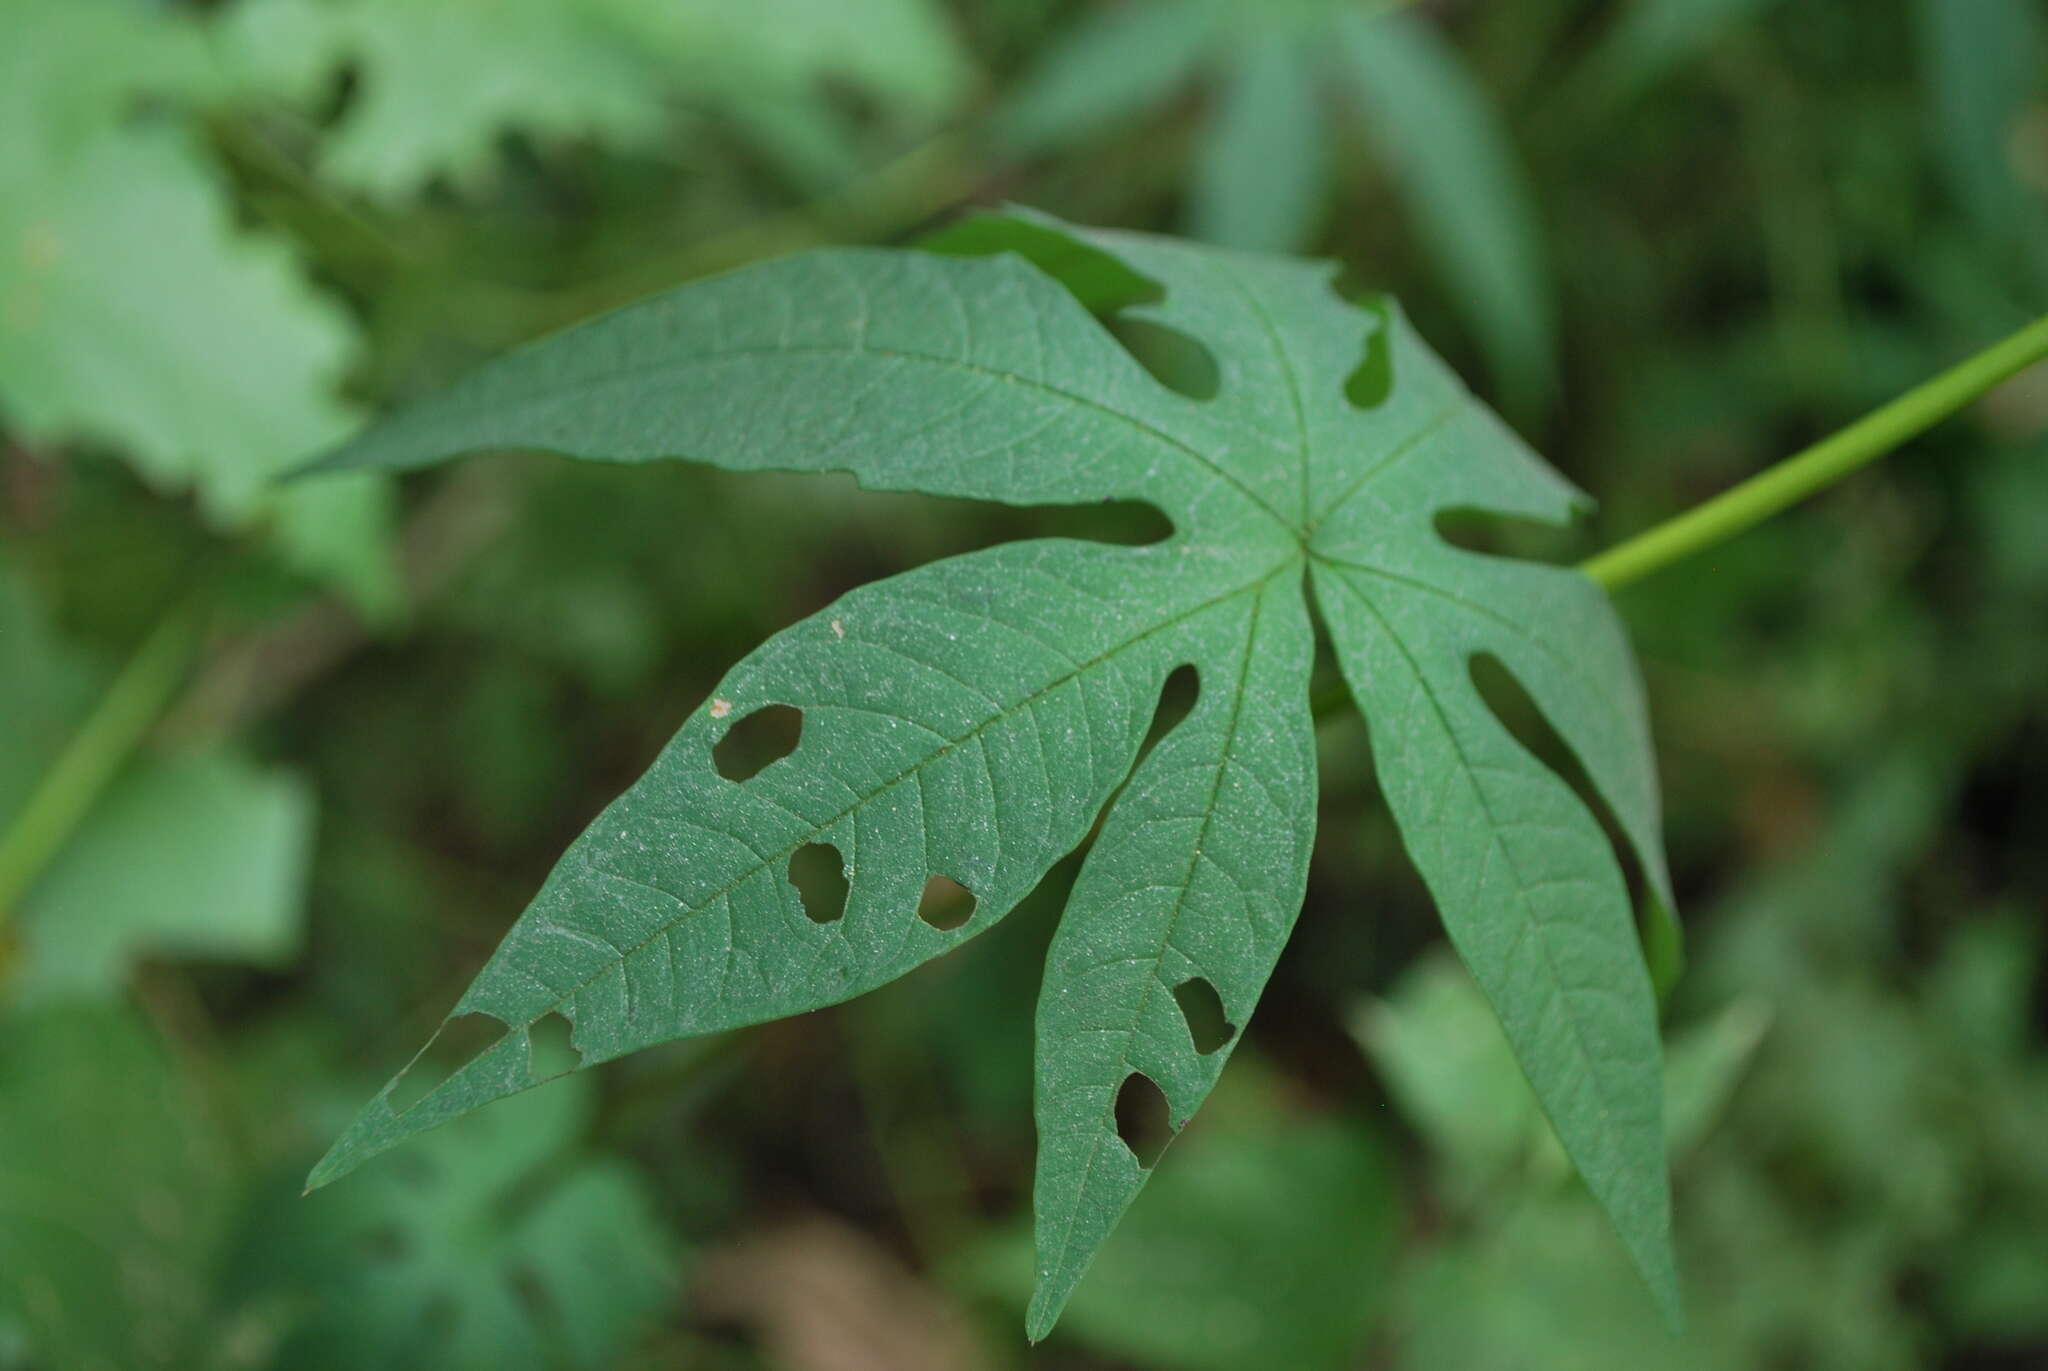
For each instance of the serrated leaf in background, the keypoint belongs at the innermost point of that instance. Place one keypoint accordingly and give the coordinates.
(72, 69)
(969, 719)
(134, 314)
(193, 348)
(904, 54)
(444, 82)
(774, 68)
(275, 50)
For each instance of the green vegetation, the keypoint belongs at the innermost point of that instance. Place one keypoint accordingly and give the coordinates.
(281, 761)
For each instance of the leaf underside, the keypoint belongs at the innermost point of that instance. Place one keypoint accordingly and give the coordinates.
(971, 719)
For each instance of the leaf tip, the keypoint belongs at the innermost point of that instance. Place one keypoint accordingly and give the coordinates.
(1043, 1313)
(330, 461)
(365, 1138)
(1656, 1259)
(1664, 1288)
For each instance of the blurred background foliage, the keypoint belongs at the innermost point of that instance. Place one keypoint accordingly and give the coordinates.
(279, 763)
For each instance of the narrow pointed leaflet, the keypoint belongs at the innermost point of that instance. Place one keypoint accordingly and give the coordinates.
(971, 719)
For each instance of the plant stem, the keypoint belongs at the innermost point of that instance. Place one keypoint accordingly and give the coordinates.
(1821, 465)
(95, 753)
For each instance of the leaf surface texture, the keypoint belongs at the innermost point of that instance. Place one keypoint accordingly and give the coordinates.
(975, 718)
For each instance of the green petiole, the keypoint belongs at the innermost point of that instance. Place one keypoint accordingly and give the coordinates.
(1798, 476)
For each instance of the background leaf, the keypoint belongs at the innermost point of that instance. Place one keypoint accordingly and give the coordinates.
(1472, 203)
(444, 82)
(1110, 68)
(224, 364)
(1984, 62)
(1653, 36)
(498, 1244)
(111, 1195)
(45, 689)
(202, 855)
(1262, 152)
(1260, 173)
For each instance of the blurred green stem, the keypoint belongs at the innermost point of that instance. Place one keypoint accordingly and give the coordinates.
(95, 753)
(1821, 465)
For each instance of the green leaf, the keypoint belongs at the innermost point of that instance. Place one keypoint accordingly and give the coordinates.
(1262, 163)
(502, 1246)
(45, 689)
(1114, 67)
(1261, 156)
(1451, 1071)
(902, 53)
(1454, 1074)
(1195, 880)
(203, 855)
(1527, 883)
(971, 719)
(443, 81)
(1702, 1067)
(112, 1194)
(1653, 36)
(778, 69)
(71, 68)
(1473, 206)
(1269, 1241)
(194, 349)
(1536, 1283)
(1984, 63)
(134, 314)
(275, 49)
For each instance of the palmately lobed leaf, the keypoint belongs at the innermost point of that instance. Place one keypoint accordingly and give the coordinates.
(1277, 78)
(972, 719)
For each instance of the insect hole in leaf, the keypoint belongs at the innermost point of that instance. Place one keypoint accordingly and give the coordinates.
(1143, 1119)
